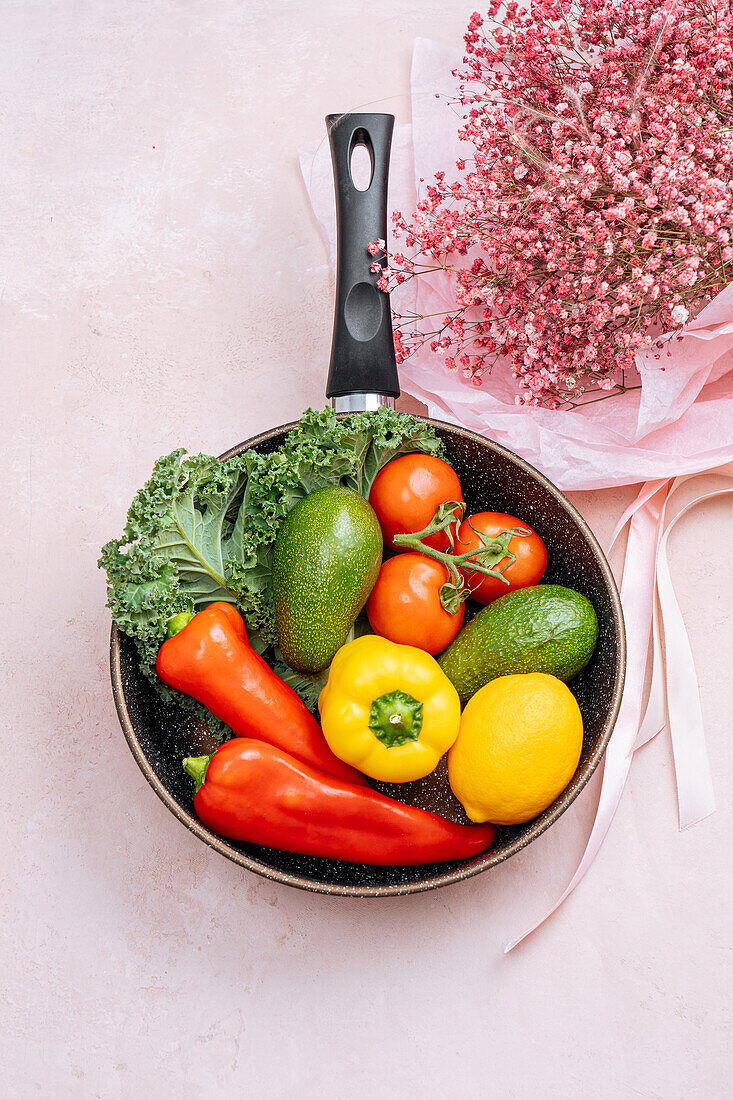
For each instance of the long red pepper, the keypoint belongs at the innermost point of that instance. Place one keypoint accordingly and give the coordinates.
(211, 660)
(254, 792)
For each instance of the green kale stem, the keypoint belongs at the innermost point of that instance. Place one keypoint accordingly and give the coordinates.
(446, 518)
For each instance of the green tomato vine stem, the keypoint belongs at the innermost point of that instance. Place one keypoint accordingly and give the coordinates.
(494, 551)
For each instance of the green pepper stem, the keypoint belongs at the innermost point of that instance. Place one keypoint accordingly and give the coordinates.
(396, 718)
(177, 622)
(196, 767)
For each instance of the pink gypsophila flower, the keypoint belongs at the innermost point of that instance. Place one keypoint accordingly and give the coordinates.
(599, 203)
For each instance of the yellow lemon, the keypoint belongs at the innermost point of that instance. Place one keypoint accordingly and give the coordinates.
(518, 747)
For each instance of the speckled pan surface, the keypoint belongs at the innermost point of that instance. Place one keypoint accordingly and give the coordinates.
(160, 735)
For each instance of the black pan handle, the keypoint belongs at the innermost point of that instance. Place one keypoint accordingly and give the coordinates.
(362, 351)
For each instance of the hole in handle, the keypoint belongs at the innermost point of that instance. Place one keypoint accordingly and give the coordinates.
(361, 160)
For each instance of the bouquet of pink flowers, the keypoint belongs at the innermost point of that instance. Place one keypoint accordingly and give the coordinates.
(595, 217)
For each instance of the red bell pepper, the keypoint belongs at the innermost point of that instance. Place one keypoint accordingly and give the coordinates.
(253, 792)
(211, 660)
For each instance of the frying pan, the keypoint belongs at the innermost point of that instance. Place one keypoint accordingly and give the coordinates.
(362, 376)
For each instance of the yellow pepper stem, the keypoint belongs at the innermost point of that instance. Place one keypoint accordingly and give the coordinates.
(396, 718)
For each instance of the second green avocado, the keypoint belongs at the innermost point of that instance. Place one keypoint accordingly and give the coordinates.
(546, 628)
(325, 562)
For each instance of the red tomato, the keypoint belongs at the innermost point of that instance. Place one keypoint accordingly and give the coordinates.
(527, 569)
(406, 494)
(405, 604)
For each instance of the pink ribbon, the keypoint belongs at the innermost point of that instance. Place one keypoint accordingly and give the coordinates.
(674, 670)
(651, 607)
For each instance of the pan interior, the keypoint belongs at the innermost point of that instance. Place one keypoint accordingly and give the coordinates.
(161, 735)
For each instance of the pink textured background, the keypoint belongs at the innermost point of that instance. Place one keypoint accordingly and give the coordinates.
(164, 283)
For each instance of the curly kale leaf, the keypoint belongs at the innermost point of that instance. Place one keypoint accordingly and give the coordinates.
(202, 530)
(365, 442)
(308, 687)
(173, 552)
(384, 435)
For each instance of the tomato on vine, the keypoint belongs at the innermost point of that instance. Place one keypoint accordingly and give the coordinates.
(405, 604)
(407, 493)
(528, 550)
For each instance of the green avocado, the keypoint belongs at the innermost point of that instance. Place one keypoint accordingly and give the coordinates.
(546, 628)
(325, 562)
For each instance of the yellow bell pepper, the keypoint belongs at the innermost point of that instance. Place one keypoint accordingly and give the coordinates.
(388, 709)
